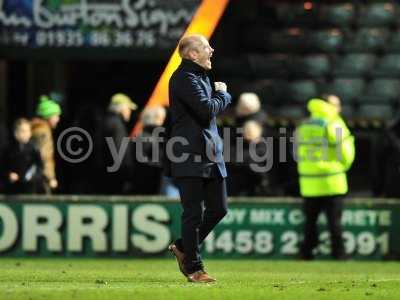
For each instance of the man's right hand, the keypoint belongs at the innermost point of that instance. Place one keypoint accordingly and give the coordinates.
(220, 86)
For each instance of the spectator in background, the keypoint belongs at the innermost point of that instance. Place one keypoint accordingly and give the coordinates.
(334, 100)
(119, 113)
(153, 117)
(48, 116)
(244, 180)
(84, 177)
(149, 152)
(3, 146)
(3, 137)
(324, 154)
(250, 121)
(22, 161)
(386, 173)
(168, 187)
(249, 108)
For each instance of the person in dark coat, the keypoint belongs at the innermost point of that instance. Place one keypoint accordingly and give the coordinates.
(386, 163)
(22, 162)
(149, 152)
(84, 177)
(3, 147)
(244, 179)
(195, 152)
(3, 137)
(249, 108)
(115, 131)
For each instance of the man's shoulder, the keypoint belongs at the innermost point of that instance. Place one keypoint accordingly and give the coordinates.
(182, 74)
(182, 78)
(113, 120)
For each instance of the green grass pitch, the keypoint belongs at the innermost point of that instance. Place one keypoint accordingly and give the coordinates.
(42, 279)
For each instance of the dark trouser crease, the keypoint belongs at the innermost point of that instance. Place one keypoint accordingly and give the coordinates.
(204, 202)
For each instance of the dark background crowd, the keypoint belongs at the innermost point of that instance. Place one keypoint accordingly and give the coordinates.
(245, 128)
(273, 55)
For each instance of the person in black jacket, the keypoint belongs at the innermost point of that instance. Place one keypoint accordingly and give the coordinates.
(117, 170)
(249, 108)
(386, 162)
(195, 152)
(3, 147)
(244, 179)
(22, 162)
(149, 152)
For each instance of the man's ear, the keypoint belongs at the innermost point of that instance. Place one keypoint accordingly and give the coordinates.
(193, 55)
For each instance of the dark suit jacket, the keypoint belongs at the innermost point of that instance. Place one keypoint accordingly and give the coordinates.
(194, 107)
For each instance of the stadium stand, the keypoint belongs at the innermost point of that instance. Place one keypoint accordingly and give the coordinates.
(306, 48)
(293, 50)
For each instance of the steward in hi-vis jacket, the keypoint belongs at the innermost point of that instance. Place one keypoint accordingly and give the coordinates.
(325, 152)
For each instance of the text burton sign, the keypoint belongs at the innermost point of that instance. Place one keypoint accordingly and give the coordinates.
(139, 25)
(92, 226)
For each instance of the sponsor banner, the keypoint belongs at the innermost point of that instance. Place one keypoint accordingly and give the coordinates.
(126, 24)
(124, 227)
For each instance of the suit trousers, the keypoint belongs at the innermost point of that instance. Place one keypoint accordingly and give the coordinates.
(332, 205)
(204, 202)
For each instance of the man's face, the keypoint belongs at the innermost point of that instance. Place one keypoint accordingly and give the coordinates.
(53, 121)
(126, 113)
(252, 131)
(23, 133)
(335, 101)
(203, 53)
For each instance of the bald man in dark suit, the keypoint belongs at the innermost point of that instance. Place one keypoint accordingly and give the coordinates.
(196, 158)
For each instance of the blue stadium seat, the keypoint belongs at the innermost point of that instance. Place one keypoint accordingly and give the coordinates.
(377, 14)
(313, 65)
(292, 112)
(329, 40)
(289, 40)
(387, 66)
(297, 14)
(271, 91)
(347, 89)
(269, 66)
(365, 40)
(257, 38)
(393, 44)
(301, 91)
(375, 112)
(336, 14)
(381, 91)
(353, 65)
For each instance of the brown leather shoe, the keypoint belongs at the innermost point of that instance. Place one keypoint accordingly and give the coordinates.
(180, 257)
(200, 277)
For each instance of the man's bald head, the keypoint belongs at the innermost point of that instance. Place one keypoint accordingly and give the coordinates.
(195, 47)
(189, 43)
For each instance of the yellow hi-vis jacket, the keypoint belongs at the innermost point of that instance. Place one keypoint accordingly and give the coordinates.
(325, 151)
